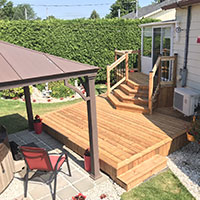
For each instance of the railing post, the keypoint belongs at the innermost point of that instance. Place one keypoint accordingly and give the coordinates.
(150, 91)
(108, 81)
(139, 61)
(126, 66)
(115, 55)
(175, 69)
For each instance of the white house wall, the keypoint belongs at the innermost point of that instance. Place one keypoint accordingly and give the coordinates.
(163, 15)
(193, 79)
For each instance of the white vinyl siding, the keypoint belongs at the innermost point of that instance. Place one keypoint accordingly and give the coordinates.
(193, 78)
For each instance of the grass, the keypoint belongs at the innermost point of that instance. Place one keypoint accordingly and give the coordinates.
(165, 186)
(13, 112)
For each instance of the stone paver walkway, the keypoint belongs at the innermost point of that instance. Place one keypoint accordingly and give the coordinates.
(39, 187)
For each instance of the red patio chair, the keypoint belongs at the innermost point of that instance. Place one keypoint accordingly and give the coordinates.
(39, 159)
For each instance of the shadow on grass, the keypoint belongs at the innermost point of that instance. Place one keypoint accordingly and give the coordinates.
(14, 123)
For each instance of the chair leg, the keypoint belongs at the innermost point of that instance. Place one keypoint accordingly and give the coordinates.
(67, 160)
(55, 184)
(26, 183)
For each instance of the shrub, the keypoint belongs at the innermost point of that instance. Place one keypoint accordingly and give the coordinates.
(15, 92)
(59, 89)
(86, 41)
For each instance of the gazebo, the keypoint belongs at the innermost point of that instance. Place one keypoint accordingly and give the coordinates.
(21, 67)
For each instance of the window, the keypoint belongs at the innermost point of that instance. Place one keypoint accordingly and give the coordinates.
(147, 41)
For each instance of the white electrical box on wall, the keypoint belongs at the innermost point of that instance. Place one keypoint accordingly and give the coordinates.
(186, 100)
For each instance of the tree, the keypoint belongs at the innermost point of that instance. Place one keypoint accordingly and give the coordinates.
(94, 15)
(21, 9)
(125, 6)
(6, 10)
(51, 17)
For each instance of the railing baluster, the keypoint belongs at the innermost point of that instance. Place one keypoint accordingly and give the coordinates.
(108, 81)
(126, 66)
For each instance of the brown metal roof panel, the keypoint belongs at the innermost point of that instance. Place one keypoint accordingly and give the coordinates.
(28, 63)
(69, 66)
(7, 73)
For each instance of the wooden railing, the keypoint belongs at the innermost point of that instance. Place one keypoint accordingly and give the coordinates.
(122, 76)
(157, 77)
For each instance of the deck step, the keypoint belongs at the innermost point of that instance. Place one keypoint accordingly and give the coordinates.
(127, 106)
(133, 92)
(141, 172)
(136, 86)
(130, 99)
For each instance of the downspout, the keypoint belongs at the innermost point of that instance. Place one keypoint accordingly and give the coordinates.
(185, 70)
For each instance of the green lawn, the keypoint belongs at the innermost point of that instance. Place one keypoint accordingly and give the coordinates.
(164, 186)
(13, 112)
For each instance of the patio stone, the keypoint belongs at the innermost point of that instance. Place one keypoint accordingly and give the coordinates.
(76, 176)
(40, 191)
(84, 185)
(67, 193)
(61, 182)
(71, 165)
(39, 187)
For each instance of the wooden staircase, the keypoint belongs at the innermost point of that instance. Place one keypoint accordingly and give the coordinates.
(142, 172)
(139, 93)
(131, 97)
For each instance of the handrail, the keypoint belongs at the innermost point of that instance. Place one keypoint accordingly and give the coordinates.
(157, 67)
(117, 62)
(111, 67)
(124, 56)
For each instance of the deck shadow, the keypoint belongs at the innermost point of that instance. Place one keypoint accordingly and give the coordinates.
(14, 123)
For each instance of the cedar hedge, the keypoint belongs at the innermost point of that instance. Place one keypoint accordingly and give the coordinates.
(87, 41)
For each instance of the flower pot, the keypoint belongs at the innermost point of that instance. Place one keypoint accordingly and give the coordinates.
(87, 163)
(190, 137)
(38, 127)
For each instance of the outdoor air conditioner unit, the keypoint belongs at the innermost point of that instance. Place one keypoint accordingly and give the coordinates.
(186, 100)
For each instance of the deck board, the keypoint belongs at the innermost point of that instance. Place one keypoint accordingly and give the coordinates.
(123, 136)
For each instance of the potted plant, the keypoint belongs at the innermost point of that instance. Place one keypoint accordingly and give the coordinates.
(79, 197)
(193, 131)
(87, 160)
(37, 124)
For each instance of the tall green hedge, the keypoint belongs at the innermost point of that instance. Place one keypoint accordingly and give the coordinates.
(86, 41)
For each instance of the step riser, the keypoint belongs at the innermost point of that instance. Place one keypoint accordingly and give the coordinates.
(141, 179)
(124, 107)
(163, 150)
(137, 87)
(130, 93)
(131, 101)
(132, 109)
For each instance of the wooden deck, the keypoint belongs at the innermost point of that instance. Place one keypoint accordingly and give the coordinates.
(126, 139)
(139, 78)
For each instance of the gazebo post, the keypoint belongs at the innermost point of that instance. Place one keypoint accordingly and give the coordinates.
(28, 107)
(92, 126)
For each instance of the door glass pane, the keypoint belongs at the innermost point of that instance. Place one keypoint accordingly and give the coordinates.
(156, 44)
(166, 43)
(147, 41)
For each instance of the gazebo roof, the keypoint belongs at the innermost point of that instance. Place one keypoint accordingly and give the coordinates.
(20, 66)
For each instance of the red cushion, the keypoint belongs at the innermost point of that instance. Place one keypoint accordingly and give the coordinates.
(54, 159)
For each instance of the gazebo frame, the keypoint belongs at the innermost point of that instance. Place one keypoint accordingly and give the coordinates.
(63, 69)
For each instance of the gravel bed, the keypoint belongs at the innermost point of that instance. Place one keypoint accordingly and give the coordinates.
(109, 188)
(185, 164)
